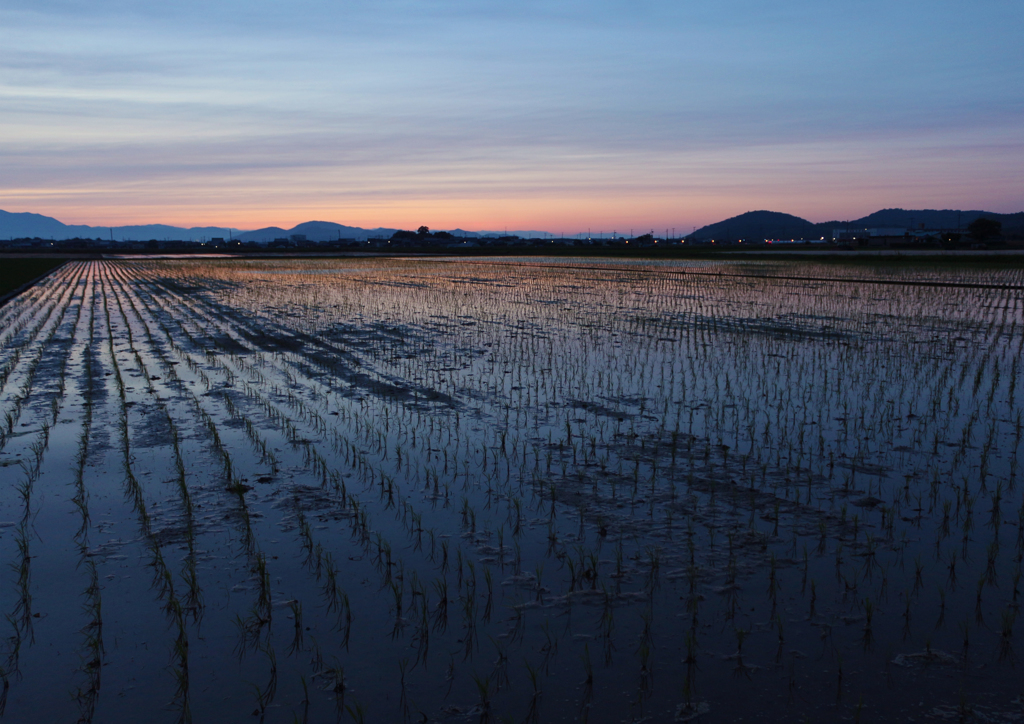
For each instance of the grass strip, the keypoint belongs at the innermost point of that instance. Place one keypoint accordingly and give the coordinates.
(17, 273)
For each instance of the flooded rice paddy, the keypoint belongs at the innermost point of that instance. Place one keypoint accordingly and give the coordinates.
(452, 491)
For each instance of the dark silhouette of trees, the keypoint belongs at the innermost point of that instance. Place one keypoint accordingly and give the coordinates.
(422, 236)
(982, 229)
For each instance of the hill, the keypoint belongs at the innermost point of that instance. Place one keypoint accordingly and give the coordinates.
(315, 231)
(758, 225)
(948, 219)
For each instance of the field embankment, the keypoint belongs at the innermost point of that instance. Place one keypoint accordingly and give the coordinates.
(15, 273)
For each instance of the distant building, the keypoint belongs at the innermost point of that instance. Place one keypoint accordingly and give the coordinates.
(298, 238)
(855, 234)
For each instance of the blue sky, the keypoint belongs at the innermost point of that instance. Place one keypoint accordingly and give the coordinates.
(557, 115)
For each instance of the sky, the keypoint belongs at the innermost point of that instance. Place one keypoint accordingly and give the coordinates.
(478, 114)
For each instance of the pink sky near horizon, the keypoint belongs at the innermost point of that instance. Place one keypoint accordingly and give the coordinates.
(620, 193)
(523, 187)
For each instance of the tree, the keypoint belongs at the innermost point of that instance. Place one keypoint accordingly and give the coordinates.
(982, 228)
(423, 230)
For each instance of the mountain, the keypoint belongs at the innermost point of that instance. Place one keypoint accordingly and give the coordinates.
(32, 225)
(758, 225)
(26, 225)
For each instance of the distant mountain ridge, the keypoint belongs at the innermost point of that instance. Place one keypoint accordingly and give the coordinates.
(30, 226)
(949, 219)
(752, 225)
(758, 225)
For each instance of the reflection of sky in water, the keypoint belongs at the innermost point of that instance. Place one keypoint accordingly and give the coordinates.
(353, 270)
(670, 474)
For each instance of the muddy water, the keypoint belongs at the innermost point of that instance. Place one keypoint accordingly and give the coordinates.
(511, 491)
